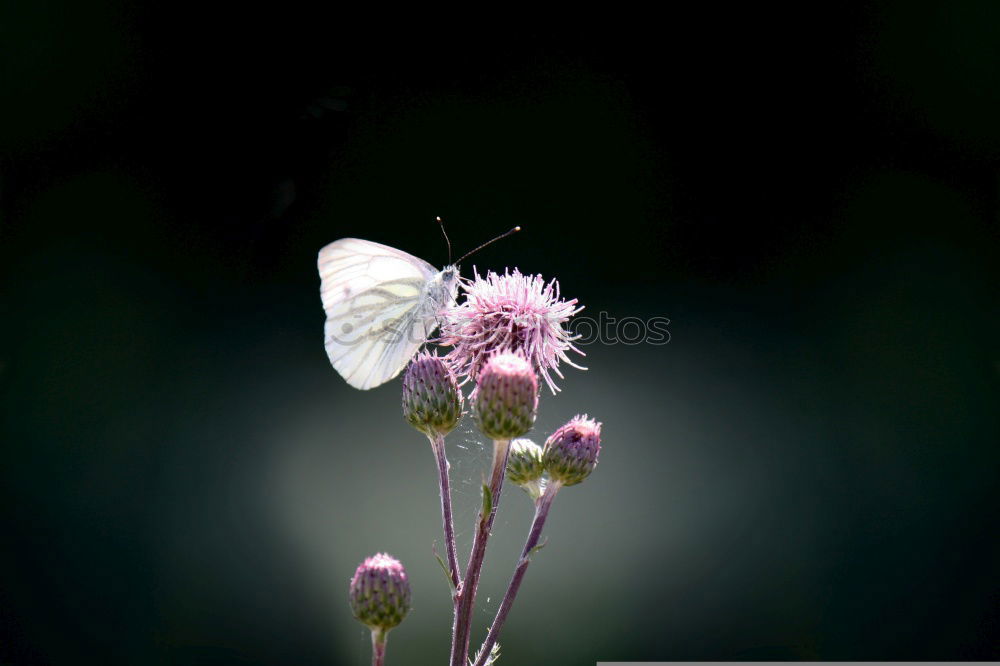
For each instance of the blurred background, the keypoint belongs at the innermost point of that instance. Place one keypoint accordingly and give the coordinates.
(808, 470)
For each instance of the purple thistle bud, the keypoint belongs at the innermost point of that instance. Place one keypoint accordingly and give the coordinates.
(571, 451)
(380, 592)
(510, 312)
(506, 397)
(432, 402)
(524, 466)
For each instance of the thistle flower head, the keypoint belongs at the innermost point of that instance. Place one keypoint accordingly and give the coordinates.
(432, 402)
(506, 397)
(380, 592)
(571, 451)
(510, 312)
(524, 466)
(525, 461)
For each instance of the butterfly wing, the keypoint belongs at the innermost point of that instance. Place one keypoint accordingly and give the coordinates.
(376, 314)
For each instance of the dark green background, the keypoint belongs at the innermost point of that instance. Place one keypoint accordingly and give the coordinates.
(808, 470)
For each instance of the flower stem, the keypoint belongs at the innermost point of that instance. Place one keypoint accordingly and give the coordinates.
(437, 444)
(542, 506)
(378, 646)
(466, 596)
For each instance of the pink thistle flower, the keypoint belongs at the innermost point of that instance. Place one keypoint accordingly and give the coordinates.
(510, 313)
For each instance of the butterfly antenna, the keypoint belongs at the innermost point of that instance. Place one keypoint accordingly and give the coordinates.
(441, 223)
(489, 242)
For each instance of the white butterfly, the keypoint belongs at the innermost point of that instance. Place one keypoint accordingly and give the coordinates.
(381, 305)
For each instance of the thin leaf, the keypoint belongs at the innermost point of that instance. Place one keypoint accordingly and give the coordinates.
(444, 568)
(538, 547)
(494, 655)
(487, 501)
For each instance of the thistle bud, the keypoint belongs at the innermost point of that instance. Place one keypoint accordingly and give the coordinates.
(380, 592)
(432, 402)
(571, 451)
(524, 466)
(506, 397)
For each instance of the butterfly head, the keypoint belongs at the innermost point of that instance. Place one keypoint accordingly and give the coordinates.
(443, 287)
(450, 278)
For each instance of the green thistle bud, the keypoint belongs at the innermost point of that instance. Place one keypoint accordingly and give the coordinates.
(524, 466)
(432, 402)
(506, 397)
(571, 451)
(380, 592)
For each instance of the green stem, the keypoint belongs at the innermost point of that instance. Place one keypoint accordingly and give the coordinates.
(466, 596)
(378, 646)
(542, 506)
(437, 444)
